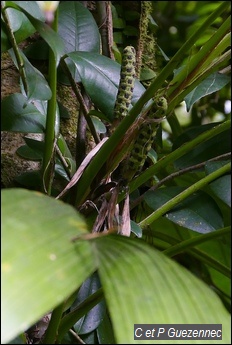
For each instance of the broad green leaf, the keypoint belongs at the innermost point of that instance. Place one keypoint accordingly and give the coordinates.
(41, 266)
(101, 74)
(79, 32)
(213, 83)
(37, 86)
(51, 37)
(20, 25)
(94, 317)
(17, 115)
(28, 7)
(77, 28)
(33, 150)
(222, 186)
(142, 285)
(30, 179)
(199, 212)
(36, 17)
(218, 145)
(28, 153)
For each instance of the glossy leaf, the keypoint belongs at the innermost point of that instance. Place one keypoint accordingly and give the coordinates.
(33, 150)
(100, 74)
(94, 317)
(79, 32)
(30, 179)
(38, 256)
(20, 25)
(77, 28)
(17, 115)
(213, 147)
(222, 186)
(30, 7)
(30, 154)
(37, 86)
(199, 212)
(51, 37)
(36, 17)
(213, 83)
(155, 289)
(98, 124)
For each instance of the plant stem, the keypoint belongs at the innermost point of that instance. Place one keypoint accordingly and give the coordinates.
(175, 60)
(183, 195)
(13, 42)
(179, 173)
(196, 252)
(52, 330)
(192, 242)
(212, 262)
(83, 186)
(50, 135)
(193, 73)
(70, 319)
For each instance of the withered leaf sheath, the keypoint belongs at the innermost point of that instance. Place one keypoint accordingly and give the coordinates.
(126, 84)
(142, 145)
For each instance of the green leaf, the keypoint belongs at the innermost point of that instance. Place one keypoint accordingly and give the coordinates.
(222, 186)
(105, 332)
(98, 124)
(142, 285)
(199, 212)
(30, 179)
(77, 28)
(29, 7)
(94, 317)
(30, 154)
(135, 228)
(218, 145)
(51, 37)
(36, 17)
(79, 32)
(20, 25)
(20, 116)
(38, 88)
(213, 83)
(41, 266)
(147, 73)
(100, 74)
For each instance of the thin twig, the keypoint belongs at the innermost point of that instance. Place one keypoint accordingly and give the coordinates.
(16, 50)
(75, 335)
(179, 173)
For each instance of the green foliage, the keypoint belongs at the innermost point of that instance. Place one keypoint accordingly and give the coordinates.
(98, 284)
